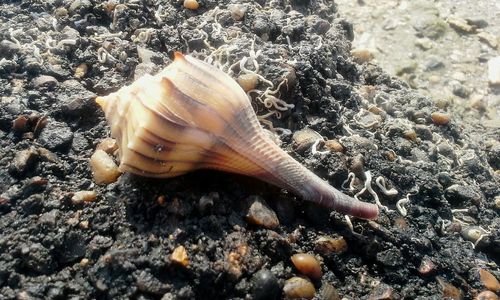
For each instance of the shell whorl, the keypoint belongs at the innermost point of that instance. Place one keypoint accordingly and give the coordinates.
(193, 116)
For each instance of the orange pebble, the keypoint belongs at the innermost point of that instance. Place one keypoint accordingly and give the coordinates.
(191, 4)
(308, 265)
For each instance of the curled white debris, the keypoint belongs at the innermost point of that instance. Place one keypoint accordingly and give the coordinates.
(103, 56)
(314, 148)
(368, 186)
(400, 205)
(319, 43)
(380, 181)
(350, 179)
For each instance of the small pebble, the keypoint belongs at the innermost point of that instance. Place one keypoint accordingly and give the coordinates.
(261, 214)
(375, 109)
(207, 202)
(79, 6)
(390, 155)
(423, 132)
(19, 124)
(473, 233)
(433, 62)
(334, 145)
(362, 55)
(108, 145)
(84, 262)
(433, 28)
(462, 194)
(308, 265)
(494, 71)
(237, 11)
(489, 281)
(448, 290)
(180, 256)
(81, 70)
(497, 202)
(191, 4)
(40, 125)
(84, 225)
(23, 296)
(410, 135)
(434, 79)
(424, 43)
(477, 22)
(486, 295)
(8, 48)
(400, 223)
(298, 287)
(44, 81)
(161, 200)
(460, 25)
(55, 136)
(327, 245)
(407, 67)
(459, 76)
(459, 90)
(477, 102)
(427, 267)
(440, 118)
(488, 38)
(145, 55)
(74, 219)
(23, 160)
(104, 169)
(248, 81)
(83, 196)
(382, 292)
(304, 139)
(328, 292)
(445, 149)
(49, 218)
(265, 285)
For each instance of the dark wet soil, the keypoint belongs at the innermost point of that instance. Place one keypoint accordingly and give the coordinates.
(119, 246)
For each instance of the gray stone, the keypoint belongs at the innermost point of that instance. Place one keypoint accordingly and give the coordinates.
(462, 195)
(460, 90)
(44, 81)
(49, 218)
(390, 258)
(265, 285)
(8, 49)
(433, 63)
(55, 136)
(75, 98)
(423, 132)
(260, 213)
(23, 160)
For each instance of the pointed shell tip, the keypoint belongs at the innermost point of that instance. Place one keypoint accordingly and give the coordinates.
(178, 55)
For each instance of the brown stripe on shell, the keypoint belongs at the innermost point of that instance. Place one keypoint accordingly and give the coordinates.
(207, 73)
(217, 153)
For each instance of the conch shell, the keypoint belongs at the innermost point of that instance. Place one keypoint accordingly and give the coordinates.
(194, 116)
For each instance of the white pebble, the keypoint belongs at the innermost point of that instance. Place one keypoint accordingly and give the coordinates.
(494, 71)
(104, 169)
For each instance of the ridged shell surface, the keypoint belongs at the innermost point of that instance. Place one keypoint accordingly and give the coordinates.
(193, 116)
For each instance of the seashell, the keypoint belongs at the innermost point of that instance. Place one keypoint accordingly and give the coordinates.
(193, 116)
